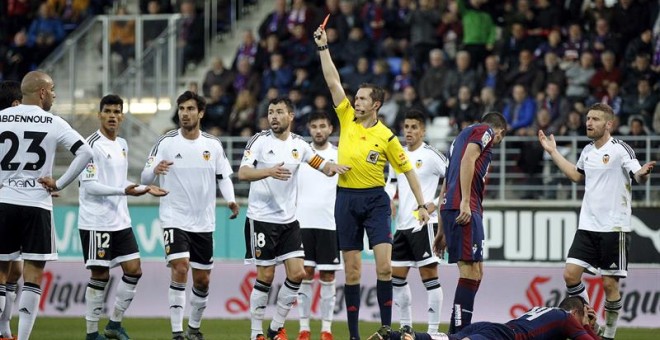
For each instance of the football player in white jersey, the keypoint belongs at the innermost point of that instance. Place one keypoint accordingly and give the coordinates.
(29, 136)
(271, 162)
(190, 165)
(104, 222)
(315, 210)
(412, 245)
(10, 95)
(601, 242)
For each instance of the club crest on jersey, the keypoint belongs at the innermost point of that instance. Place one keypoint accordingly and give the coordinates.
(257, 252)
(418, 164)
(167, 249)
(150, 161)
(123, 152)
(606, 159)
(295, 153)
(207, 155)
(90, 170)
(100, 253)
(372, 157)
(485, 139)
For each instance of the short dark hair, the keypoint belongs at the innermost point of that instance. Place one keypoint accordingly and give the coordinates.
(111, 99)
(494, 119)
(377, 92)
(416, 115)
(282, 100)
(10, 91)
(573, 303)
(188, 95)
(602, 107)
(319, 115)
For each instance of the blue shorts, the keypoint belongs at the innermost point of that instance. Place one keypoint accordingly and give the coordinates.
(357, 210)
(464, 242)
(485, 331)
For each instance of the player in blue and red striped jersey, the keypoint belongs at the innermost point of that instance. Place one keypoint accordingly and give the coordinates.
(461, 210)
(572, 319)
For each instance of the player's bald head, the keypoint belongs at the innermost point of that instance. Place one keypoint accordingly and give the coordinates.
(35, 81)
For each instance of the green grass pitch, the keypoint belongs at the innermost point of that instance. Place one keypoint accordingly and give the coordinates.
(215, 329)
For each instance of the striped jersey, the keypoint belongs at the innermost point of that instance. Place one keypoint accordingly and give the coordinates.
(29, 137)
(317, 193)
(606, 205)
(191, 180)
(430, 166)
(272, 200)
(108, 167)
(548, 323)
(482, 135)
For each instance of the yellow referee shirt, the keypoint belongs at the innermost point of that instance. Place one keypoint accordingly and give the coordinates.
(366, 151)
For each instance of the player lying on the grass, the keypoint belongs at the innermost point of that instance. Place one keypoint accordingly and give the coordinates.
(572, 319)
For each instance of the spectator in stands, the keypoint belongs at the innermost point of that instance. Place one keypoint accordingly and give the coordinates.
(267, 47)
(398, 38)
(521, 14)
(405, 78)
(217, 110)
(519, 110)
(361, 75)
(381, 74)
(151, 29)
(423, 19)
(602, 39)
(355, 47)
(478, 30)
(549, 72)
(247, 49)
(373, 20)
(275, 22)
(191, 35)
(640, 69)
(72, 12)
(641, 103)
(637, 127)
(462, 75)
(531, 153)
(431, 87)
(262, 107)
(597, 10)
(524, 73)
(488, 101)
(299, 51)
(302, 107)
(605, 75)
(164, 6)
(556, 106)
(553, 44)
(656, 119)
(301, 14)
(346, 20)
(510, 48)
(217, 75)
(302, 81)
(450, 33)
(19, 58)
(17, 17)
(578, 76)
(466, 112)
(122, 38)
(45, 33)
(278, 75)
(491, 76)
(640, 45)
(389, 110)
(575, 44)
(245, 79)
(573, 126)
(547, 17)
(409, 101)
(612, 98)
(629, 19)
(243, 113)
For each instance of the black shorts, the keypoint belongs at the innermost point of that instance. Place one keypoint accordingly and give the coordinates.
(606, 252)
(108, 248)
(414, 249)
(321, 250)
(27, 232)
(197, 247)
(267, 244)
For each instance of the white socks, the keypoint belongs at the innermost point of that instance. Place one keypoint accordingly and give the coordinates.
(177, 300)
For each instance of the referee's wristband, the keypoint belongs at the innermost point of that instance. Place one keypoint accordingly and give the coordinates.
(321, 48)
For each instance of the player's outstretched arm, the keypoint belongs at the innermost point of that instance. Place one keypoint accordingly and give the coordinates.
(330, 72)
(550, 146)
(251, 174)
(642, 175)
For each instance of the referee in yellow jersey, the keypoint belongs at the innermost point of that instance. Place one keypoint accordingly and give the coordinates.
(366, 145)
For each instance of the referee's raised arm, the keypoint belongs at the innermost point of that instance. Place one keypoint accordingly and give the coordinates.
(329, 70)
